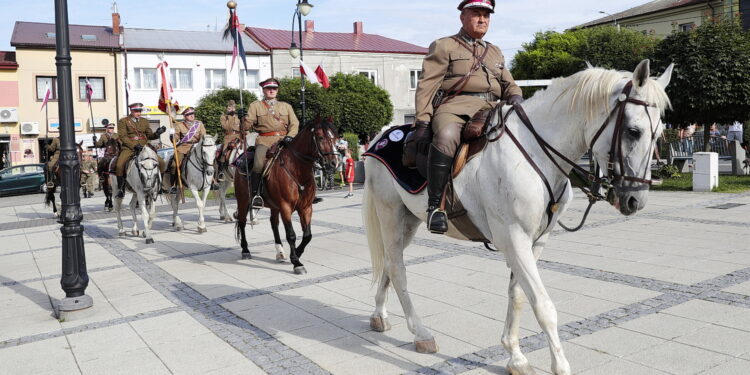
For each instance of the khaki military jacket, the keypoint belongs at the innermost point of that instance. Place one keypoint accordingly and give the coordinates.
(54, 147)
(182, 129)
(262, 120)
(231, 127)
(131, 132)
(447, 61)
(102, 141)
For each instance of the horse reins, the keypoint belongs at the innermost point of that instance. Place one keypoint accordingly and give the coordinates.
(615, 152)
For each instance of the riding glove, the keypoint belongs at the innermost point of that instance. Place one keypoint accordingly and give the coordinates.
(515, 99)
(287, 140)
(160, 130)
(241, 113)
(138, 149)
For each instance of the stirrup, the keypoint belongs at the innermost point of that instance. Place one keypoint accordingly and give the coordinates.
(257, 202)
(431, 215)
(220, 177)
(50, 185)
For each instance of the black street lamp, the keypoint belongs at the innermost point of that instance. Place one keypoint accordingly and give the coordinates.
(303, 9)
(74, 279)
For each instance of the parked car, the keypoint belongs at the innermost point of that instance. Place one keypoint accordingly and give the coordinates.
(22, 178)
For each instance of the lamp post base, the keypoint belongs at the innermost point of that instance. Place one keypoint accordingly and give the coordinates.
(72, 308)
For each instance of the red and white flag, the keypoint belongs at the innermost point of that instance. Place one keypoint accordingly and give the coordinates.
(322, 77)
(89, 91)
(47, 95)
(165, 94)
(307, 72)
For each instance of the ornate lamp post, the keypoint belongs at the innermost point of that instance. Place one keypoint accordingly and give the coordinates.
(303, 9)
(617, 25)
(74, 279)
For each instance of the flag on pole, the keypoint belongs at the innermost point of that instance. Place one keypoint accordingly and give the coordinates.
(47, 95)
(127, 86)
(322, 77)
(89, 91)
(234, 31)
(307, 72)
(165, 93)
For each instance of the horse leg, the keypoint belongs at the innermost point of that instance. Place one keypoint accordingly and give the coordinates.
(518, 364)
(200, 200)
(118, 209)
(133, 209)
(379, 318)
(291, 238)
(145, 213)
(305, 215)
(240, 187)
(522, 260)
(276, 237)
(151, 213)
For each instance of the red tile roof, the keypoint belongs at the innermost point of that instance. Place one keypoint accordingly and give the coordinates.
(34, 34)
(325, 41)
(8, 60)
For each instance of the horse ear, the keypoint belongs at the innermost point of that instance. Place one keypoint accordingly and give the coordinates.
(641, 73)
(588, 65)
(665, 78)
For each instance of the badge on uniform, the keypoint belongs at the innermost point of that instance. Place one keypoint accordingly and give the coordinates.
(500, 66)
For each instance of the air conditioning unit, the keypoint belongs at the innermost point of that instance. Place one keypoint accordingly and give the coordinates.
(8, 114)
(99, 122)
(29, 128)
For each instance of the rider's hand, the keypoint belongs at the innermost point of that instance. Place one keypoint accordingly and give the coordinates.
(515, 99)
(138, 149)
(160, 130)
(171, 138)
(287, 140)
(241, 113)
(93, 138)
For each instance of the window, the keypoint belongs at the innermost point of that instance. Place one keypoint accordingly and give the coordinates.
(88, 37)
(97, 84)
(249, 79)
(371, 74)
(145, 78)
(41, 87)
(181, 79)
(414, 78)
(216, 78)
(295, 73)
(687, 26)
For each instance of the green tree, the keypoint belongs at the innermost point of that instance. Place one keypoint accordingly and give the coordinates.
(552, 54)
(711, 81)
(354, 103)
(211, 106)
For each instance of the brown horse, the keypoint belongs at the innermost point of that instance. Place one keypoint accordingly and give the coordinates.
(56, 178)
(111, 149)
(289, 186)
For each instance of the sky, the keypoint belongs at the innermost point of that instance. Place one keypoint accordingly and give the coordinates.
(414, 21)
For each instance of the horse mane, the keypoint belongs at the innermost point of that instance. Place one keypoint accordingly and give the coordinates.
(589, 91)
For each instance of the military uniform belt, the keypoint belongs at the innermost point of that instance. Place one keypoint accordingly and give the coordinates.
(137, 137)
(488, 96)
(272, 134)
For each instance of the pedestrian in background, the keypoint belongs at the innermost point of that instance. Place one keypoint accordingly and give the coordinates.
(735, 131)
(349, 172)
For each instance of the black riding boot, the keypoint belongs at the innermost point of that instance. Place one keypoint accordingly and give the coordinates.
(438, 172)
(120, 187)
(256, 201)
(223, 165)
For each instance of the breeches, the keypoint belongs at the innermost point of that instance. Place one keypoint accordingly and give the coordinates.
(51, 163)
(124, 157)
(447, 129)
(260, 158)
(90, 180)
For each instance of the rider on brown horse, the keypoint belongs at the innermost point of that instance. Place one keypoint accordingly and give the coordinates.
(104, 139)
(230, 124)
(274, 121)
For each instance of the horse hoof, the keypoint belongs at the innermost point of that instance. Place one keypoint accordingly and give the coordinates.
(121, 234)
(221, 218)
(254, 222)
(379, 324)
(247, 256)
(426, 346)
(300, 270)
(523, 368)
(149, 241)
(235, 215)
(280, 257)
(202, 230)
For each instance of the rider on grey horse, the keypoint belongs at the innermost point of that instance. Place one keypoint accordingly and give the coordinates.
(188, 133)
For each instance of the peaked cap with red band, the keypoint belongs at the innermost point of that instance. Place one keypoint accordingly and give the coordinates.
(269, 83)
(136, 107)
(486, 4)
(188, 111)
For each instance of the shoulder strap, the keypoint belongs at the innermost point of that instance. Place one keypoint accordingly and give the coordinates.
(274, 115)
(458, 87)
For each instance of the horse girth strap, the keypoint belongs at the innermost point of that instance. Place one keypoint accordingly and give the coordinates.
(458, 87)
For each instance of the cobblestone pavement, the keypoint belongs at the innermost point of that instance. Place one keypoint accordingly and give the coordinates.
(664, 292)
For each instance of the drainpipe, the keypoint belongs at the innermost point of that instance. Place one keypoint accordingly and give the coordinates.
(713, 11)
(117, 92)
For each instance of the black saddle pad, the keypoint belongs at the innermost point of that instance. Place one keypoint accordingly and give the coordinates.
(388, 150)
(244, 162)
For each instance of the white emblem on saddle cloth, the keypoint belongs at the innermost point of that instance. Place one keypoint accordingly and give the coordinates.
(396, 136)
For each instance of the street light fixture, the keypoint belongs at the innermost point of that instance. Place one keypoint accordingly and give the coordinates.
(303, 9)
(613, 17)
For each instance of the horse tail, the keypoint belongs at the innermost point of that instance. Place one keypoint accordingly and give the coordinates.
(49, 197)
(374, 235)
(237, 231)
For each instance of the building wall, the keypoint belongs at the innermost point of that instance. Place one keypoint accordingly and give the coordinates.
(664, 23)
(41, 62)
(393, 72)
(198, 63)
(10, 141)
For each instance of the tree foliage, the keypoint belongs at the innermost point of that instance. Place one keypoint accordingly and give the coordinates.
(354, 103)
(711, 81)
(552, 54)
(211, 106)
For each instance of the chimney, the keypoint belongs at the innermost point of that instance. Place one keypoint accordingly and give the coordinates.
(309, 26)
(358, 26)
(116, 23)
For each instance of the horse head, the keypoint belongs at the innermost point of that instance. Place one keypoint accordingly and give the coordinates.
(625, 142)
(324, 136)
(148, 169)
(207, 149)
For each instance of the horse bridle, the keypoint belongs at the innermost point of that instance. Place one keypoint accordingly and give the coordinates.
(148, 171)
(204, 165)
(320, 155)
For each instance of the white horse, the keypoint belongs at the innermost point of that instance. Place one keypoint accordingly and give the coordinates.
(224, 185)
(506, 199)
(143, 180)
(197, 177)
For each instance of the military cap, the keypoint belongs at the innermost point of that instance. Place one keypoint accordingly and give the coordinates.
(188, 111)
(231, 103)
(486, 4)
(136, 107)
(110, 126)
(271, 82)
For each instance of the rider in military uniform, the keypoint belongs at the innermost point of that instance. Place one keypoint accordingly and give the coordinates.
(274, 121)
(133, 132)
(53, 149)
(187, 133)
(89, 178)
(104, 139)
(471, 74)
(230, 124)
